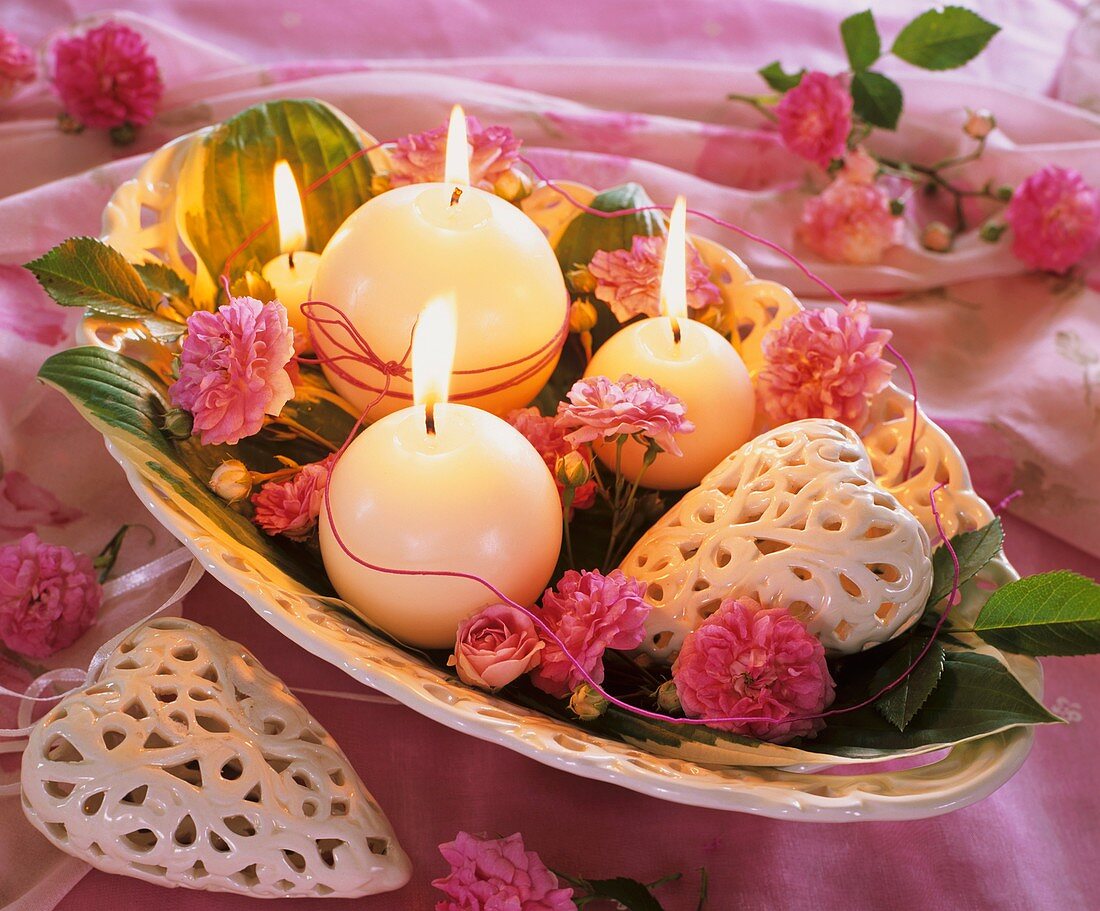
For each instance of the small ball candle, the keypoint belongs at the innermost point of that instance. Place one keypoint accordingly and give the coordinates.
(690, 360)
(291, 273)
(418, 242)
(438, 486)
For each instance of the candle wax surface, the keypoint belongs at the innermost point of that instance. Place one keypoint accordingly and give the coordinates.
(474, 497)
(409, 246)
(292, 284)
(706, 373)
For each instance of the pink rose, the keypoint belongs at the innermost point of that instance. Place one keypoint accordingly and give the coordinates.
(420, 157)
(850, 222)
(16, 64)
(1055, 219)
(590, 613)
(234, 368)
(815, 118)
(495, 646)
(106, 77)
(498, 874)
(49, 596)
(763, 665)
(292, 507)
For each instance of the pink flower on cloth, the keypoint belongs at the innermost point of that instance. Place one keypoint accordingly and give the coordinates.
(745, 661)
(16, 64)
(815, 118)
(292, 507)
(106, 77)
(543, 432)
(824, 363)
(600, 409)
(850, 222)
(629, 281)
(24, 506)
(590, 613)
(495, 646)
(49, 596)
(1055, 219)
(498, 874)
(233, 368)
(419, 157)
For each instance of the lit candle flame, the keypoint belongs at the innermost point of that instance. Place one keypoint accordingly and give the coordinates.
(456, 167)
(288, 210)
(674, 273)
(433, 355)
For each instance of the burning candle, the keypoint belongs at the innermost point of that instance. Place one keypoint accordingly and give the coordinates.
(418, 242)
(438, 486)
(688, 359)
(291, 273)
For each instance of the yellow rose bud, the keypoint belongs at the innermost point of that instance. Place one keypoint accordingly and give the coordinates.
(232, 481)
(513, 185)
(581, 280)
(587, 704)
(668, 699)
(582, 316)
(979, 124)
(572, 470)
(937, 237)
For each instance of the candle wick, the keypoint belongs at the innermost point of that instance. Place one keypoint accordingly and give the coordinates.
(456, 195)
(429, 417)
(675, 329)
(290, 259)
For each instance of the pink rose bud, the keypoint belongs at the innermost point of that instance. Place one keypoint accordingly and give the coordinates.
(232, 481)
(586, 703)
(937, 237)
(979, 124)
(495, 646)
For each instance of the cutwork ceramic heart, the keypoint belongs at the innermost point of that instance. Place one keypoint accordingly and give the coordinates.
(188, 764)
(793, 518)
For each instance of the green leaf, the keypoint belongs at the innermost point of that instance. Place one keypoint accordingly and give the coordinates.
(83, 272)
(942, 39)
(780, 80)
(974, 550)
(161, 279)
(1054, 613)
(877, 99)
(900, 704)
(226, 181)
(629, 893)
(976, 695)
(861, 40)
(126, 401)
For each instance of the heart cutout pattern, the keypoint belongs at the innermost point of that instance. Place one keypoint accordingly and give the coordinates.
(794, 518)
(186, 763)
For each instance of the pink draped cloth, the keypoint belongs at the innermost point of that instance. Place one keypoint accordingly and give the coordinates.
(1007, 361)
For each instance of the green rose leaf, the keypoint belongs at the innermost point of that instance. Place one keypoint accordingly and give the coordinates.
(861, 40)
(904, 701)
(1054, 613)
(974, 550)
(876, 98)
(942, 39)
(629, 893)
(777, 78)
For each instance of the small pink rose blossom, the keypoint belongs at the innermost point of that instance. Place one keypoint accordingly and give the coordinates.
(1055, 219)
(498, 874)
(543, 433)
(24, 506)
(234, 368)
(106, 77)
(824, 363)
(420, 157)
(859, 167)
(815, 118)
(292, 507)
(600, 409)
(495, 646)
(850, 222)
(16, 64)
(590, 613)
(49, 596)
(629, 281)
(745, 661)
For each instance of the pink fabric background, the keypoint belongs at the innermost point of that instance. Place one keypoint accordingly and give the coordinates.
(656, 113)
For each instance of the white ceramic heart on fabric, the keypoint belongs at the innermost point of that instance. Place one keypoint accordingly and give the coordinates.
(186, 763)
(793, 518)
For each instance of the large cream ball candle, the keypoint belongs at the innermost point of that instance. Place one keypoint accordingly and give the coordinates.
(414, 243)
(690, 360)
(438, 486)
